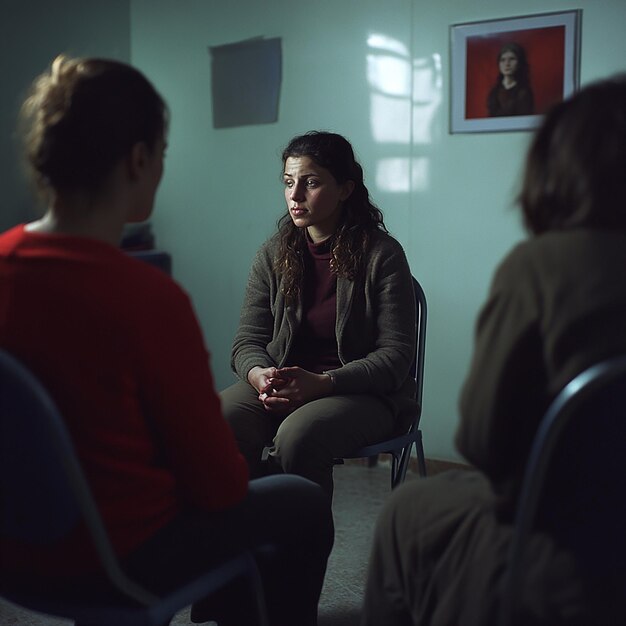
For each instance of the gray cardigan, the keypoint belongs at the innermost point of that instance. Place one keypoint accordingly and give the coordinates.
(375, 325)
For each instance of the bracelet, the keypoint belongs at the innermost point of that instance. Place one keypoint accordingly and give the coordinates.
(331, 375)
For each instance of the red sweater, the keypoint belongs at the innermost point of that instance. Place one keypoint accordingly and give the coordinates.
(118, 346)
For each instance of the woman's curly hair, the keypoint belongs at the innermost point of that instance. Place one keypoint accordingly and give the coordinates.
(360, 217)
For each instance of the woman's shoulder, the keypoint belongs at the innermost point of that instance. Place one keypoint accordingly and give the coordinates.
(558, 242)
(381, 241)
(386, 255)
(559, 251)
(268, 249)
(264, 259)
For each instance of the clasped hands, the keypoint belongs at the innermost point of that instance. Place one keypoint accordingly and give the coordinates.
(282, 390)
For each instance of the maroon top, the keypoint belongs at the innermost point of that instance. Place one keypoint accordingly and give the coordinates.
(315, 344)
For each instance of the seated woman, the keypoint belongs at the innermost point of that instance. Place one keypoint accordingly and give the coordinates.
(327, 330)
(117, 344)
(557, 306)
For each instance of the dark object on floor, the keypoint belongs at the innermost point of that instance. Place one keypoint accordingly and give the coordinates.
(44, 495)
(400, 447)
(574, 489)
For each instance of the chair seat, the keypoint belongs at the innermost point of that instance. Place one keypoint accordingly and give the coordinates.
(390, 446)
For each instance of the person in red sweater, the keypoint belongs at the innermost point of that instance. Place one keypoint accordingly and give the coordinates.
(118, 346)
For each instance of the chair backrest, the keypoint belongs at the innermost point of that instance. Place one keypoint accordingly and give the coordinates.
(37, 505)
(43, 491)
(574, 481)
(400, 445)
(157, 258)
(420, 350)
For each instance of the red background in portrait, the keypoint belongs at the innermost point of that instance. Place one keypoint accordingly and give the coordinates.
(545, 52)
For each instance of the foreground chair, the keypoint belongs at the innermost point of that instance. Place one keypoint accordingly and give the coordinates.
(162, 260)
(574, 489)
(44, 495)
(400, 447)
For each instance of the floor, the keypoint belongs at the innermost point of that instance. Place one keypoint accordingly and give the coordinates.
(360, 491)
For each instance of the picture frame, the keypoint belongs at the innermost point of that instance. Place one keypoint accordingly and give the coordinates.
(547, 45)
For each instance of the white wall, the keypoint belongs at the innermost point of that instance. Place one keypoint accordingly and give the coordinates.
(447, 198)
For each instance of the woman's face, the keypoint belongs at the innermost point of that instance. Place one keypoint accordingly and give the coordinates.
(508, 63)
(313, 196)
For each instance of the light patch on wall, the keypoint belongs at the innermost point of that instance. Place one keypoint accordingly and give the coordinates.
(398, 85)
(245, 82)
(390, 117)
(405, 94)
(389, 74)
(427, 96)
(389, 77)
(400, 175)
(389, 44)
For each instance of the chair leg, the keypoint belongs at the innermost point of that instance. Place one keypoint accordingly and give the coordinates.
(421, 459)
(259, 596)
(396, 469)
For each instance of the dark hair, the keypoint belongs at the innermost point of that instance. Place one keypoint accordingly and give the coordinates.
(574, 174)
(83, 115)
(360, 217)
(522, 73)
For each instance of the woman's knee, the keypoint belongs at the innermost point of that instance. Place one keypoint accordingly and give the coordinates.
(297, 441)
(249, 423)
(237, 400)
(288, 490)
(289, 495)
(242, 410)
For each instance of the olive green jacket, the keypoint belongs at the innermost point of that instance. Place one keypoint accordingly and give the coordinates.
(557, 305)
(375, 325)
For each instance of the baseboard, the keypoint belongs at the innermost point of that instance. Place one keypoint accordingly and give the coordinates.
(433, 466)
(436, 466)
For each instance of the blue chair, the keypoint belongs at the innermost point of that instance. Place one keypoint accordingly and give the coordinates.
(400, 447)
(158, 258)
(44, 495)
(573, 489)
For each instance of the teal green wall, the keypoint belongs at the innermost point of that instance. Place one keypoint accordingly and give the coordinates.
(32, 33)
(447, 198)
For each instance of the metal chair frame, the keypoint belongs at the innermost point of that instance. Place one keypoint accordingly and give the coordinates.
(595, 398)
(400, 447)
(44, 495)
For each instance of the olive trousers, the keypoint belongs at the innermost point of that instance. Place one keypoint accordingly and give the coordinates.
(307, 441)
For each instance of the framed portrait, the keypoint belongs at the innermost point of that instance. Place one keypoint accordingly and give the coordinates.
(506, 73)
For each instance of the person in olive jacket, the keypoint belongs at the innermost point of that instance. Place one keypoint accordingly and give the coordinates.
(557, 305)
(327, 330)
